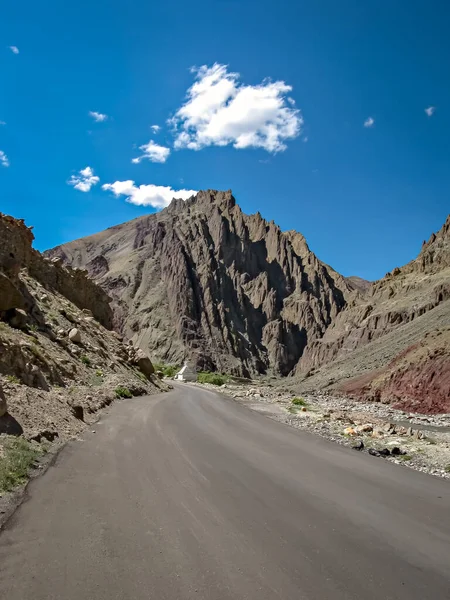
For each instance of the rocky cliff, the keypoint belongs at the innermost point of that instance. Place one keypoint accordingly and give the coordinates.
(59, 362)
(204, 281)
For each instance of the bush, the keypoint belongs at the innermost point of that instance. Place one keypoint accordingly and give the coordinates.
(299, 402)
(405, 457)
(85, 360)
(123, 392)
(12, 379)
(18, 457)
(168, 370)
(213, 378)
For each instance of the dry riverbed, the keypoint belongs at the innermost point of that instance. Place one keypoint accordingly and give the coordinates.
(420, 442)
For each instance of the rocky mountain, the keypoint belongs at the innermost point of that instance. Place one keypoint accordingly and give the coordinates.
(400, 297)
(204, 281)
(60, 362)
(393, 343)
(232, 292)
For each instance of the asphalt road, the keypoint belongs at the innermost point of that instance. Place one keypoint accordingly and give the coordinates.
(189, 495)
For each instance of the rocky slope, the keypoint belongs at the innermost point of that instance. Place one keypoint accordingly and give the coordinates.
(204, 281)
(399, 298)
(392, 344)
(59, 360)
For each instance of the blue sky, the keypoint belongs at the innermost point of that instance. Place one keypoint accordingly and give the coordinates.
(365, 197)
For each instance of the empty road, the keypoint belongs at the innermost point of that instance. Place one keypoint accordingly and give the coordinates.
(189, 495)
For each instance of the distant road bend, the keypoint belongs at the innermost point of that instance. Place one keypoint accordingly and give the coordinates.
(189, 495)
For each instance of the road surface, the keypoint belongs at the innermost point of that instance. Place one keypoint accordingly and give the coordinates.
(189, 495)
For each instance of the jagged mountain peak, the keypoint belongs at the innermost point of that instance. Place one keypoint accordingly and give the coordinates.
(202, 280)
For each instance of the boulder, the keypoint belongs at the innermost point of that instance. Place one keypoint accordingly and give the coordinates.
(18, 319)
(359, 445)
(349, 431)
(366, 428)
(396, 451)
(142, 361)
(3, 405)
(77, 411)
(75, 336)
(384, 452)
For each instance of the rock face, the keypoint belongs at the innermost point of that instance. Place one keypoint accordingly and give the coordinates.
(59, 363)
(16, 253)
(417, 379)
(203, 281)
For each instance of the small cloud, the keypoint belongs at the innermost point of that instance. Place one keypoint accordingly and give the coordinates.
(84, 180)
(305, 139)
(2, 123)
(14, 49)
(155, 128)
(157, 196)
(4, 161)
(430, 110)
(220, 110)
(369, 122)
(98, 117)
(154, 152)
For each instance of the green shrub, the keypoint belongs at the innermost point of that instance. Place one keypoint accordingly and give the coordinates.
(123, 392)
(18, 457)
(405, 457)
(12, 379)
(447, 469)
(168, 370)
(141, 376)
(85, 360)
(99, 373)
(299, 402)
(213, 378)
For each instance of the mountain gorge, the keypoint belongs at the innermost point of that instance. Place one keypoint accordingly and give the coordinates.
(203, 281)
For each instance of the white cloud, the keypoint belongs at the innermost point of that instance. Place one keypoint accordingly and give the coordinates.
(220, 110)
(154, 152)
(2, 123)
(14, 49)
(4, 161)
(157, 196)
(430, 110)
(369, 122)
(155, 128)
(98, 117)
(84, 180)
